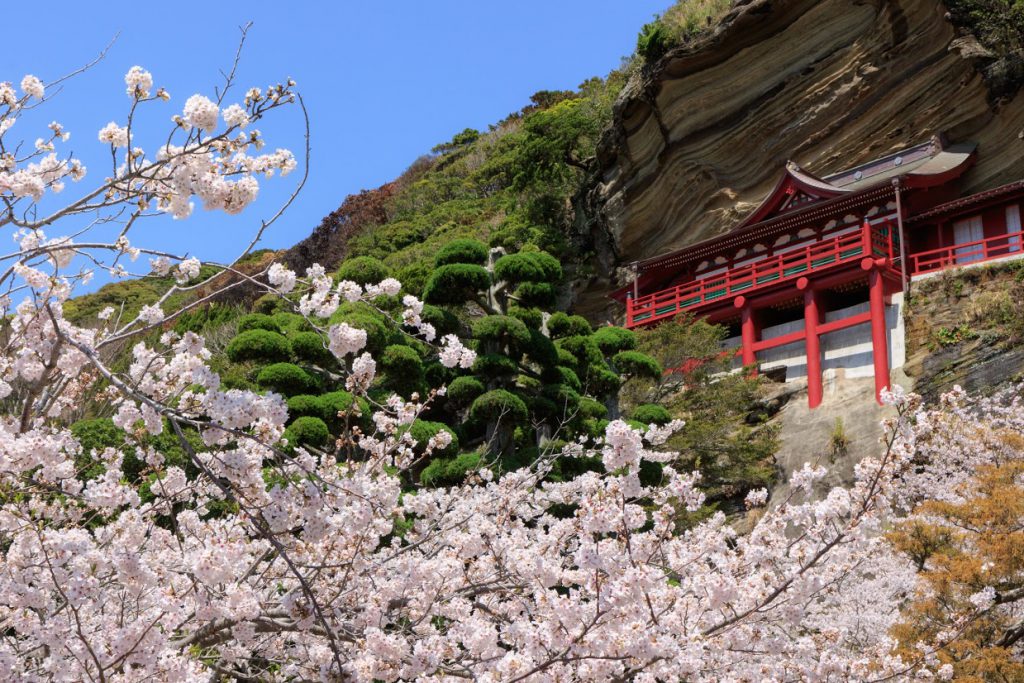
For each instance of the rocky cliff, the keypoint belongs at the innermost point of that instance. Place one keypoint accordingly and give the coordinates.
(700, 138)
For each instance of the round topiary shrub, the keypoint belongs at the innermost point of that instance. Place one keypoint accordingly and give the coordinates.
(502, 329)
(422, 431)
(307, 431)
(496, 404)
(444, 322)
(258, 321)
(463, 390)
(462, 251)
(636, 364)
(455, 283)
(291, 322)
(259, 345)
(652, 413)
(592, 409)
(569, 378)
(536, 294)
(309, 346)
(363, 270)
(612, 339)
(528, 266)
(531, 317)
(494, 365)
(340, 401)
(563, 325)
(449, 471)
(285, 378)
(584, 352)
(402, 368)
(305, 405)
(414, 276)
(601, 380)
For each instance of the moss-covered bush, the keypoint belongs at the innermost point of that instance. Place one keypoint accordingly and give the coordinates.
(309, 346)
(450, 471)
(652, 413)
(564, 325)
(611, 340)
(363, 270)
(402, 368)
(462, 251)
(259, 345)
(308, 431)
(463, 390)
(528, 266)
(503, 330)
(286, 378)
(258, 321)
(305, 405)
(636, 364)
(422, 431)
(498, 404)
(455, 283)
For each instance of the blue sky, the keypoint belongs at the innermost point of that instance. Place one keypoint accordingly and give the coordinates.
(383, 82)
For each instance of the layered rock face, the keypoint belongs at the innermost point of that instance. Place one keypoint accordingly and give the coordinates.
(826, 83)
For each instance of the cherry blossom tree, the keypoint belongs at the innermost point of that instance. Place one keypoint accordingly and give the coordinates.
(257, 561)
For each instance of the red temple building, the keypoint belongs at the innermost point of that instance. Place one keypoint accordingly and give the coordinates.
(814, 278)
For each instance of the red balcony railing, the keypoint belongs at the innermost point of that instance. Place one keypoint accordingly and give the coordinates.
(763, 274)
(969, 252)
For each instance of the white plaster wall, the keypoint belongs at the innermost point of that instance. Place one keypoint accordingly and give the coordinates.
(848, 350)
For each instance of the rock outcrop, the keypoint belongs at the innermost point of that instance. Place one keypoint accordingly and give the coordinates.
(701, 138)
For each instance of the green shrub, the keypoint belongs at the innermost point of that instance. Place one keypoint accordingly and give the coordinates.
(592, 409)
(363, 270)
(583, 350)
(308, 431)
(462, 251)
(261, 345)
(340, 401)
(449, 471)
(258, 321)
(531, 317)
(636, 364)
(423, 431)
(536, 294)
(563, 325)
(305, 405)
(496, 404)
(402, 367)
(444, 322)
(456, 283)
(463, 390)
(414, 276)
(502, 329)
(291, 322)
(652, 413)
(568, 377)
(654, 41)
(309, 346)
(612, 339)
(285, 378)
(528, 266)
(494, 365)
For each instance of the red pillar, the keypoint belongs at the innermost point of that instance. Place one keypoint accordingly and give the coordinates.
(812, 316)
(879, 345)
(750, 332)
